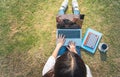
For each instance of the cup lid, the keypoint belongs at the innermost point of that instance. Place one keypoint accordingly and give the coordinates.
(103, 47)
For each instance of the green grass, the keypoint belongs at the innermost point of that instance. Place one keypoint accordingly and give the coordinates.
(28, 32)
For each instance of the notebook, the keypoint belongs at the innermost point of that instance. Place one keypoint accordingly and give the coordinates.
(91, 40)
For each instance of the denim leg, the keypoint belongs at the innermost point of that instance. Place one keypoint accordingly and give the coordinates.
(61, 12)
(63, 7)
(78, 50)
(76, 12)
(75, 7)
(62, 50)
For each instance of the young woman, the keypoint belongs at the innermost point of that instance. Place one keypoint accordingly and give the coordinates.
(69, 64)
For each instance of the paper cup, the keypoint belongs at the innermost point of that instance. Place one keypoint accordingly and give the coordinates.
(103, 47)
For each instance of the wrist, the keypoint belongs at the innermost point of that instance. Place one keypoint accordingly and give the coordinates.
(59, 45)
(74, 51)
(55, 52)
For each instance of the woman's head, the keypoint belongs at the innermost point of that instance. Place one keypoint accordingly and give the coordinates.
(69, 65)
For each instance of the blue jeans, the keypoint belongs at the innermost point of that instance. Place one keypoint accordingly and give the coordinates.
(61, 12)
(75, 12)
(63, 49)
(64, 7)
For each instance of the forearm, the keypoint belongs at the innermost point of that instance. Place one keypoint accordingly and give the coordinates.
(60, 42)
(55, 52)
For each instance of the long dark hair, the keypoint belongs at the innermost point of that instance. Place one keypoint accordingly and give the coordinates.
(49, 73)
(68, 65)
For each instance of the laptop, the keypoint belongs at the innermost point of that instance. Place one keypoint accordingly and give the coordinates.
(71, 35)
(71, 30)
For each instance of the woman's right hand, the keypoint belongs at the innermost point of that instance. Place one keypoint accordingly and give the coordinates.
(72, 47)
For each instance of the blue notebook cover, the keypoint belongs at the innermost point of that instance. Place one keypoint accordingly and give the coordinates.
(91, 40)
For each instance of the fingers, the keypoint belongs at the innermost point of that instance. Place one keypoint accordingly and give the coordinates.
(71, 43)
(68, 48)
(71, 46)
(61, 36)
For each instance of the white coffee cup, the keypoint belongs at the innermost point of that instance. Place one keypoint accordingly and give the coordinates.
(103, 47)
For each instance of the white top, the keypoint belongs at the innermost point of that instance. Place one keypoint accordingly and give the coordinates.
(51, 62)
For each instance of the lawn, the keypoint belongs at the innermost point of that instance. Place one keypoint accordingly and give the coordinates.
(28, 35)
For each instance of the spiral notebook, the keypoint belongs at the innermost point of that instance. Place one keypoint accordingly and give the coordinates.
(91, 40)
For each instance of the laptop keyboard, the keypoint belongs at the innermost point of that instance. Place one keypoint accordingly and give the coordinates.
(70, 33)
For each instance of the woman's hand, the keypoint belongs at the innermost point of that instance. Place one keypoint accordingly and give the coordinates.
(72, 47)
(60, 40)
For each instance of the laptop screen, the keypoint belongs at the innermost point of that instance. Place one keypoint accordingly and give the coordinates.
(70, 33)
